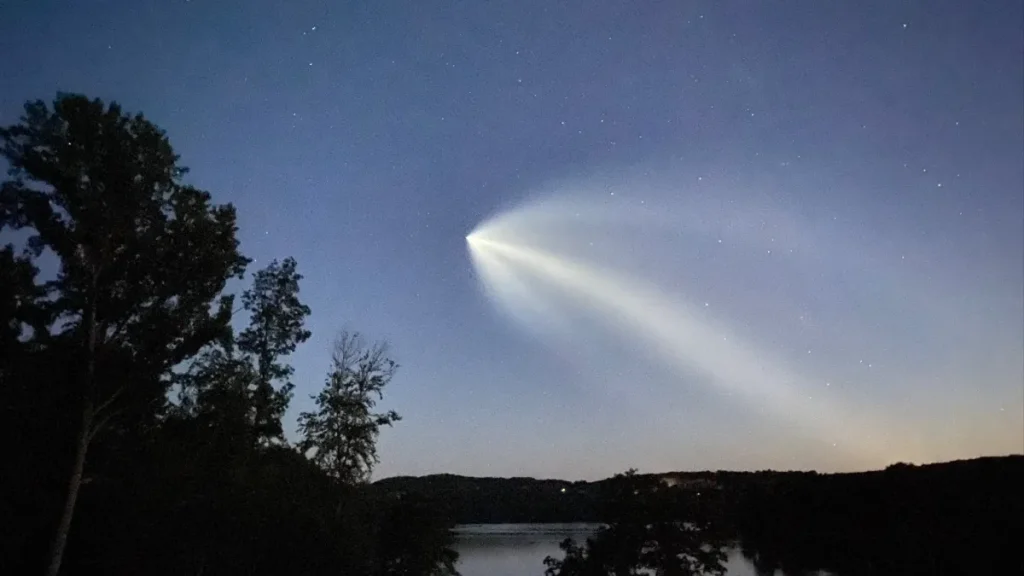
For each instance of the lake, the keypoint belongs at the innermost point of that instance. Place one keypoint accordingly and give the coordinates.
(520, 549)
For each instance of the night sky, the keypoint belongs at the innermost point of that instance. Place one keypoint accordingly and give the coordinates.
(878, 142)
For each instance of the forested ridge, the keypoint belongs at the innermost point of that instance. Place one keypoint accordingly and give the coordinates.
(958, 517)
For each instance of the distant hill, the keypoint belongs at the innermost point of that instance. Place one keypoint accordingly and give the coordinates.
(960, 517)
(469, 500)
(474, 500)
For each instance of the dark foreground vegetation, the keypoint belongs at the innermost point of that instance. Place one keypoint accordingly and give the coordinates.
(141, 404)
(143, 433)
(961, 517)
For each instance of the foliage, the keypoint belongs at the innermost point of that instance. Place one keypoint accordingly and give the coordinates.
(275, 330)
(101, 190)
(341, 435)
(416, 540)
(231, 386)
(950, 518)
(19, 296)
(650, 530)
(142, 258)
(138, 308)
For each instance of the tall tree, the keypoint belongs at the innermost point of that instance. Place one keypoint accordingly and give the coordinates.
(241, 386)
(276, 328)
(340, 436)
(143, 260)
(651, 529)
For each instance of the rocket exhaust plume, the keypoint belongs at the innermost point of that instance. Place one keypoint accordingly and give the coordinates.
(538, 262)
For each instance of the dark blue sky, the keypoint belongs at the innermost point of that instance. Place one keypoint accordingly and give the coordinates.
(367, 139)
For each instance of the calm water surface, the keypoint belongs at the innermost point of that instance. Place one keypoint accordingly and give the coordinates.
(520, 549)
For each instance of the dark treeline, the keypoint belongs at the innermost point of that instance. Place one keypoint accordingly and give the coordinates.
(143, 433)
(959, 517)
(467, 500)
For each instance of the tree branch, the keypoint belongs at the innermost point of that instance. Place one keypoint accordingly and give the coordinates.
(106, 403)
(100, 423)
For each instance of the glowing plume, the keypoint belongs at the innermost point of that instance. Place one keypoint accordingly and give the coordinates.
(522, 275)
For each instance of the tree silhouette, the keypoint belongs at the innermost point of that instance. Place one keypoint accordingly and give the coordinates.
(242, 385)
(275, 330)
(341, 435)
(416, 541)
(651, 529)
(19, 296)
(142, 260)
(137, 311)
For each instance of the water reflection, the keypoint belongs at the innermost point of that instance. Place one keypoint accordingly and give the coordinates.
(520, 549)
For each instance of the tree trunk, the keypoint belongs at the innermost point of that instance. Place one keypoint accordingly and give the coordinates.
(60, 539)
(85, 433)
